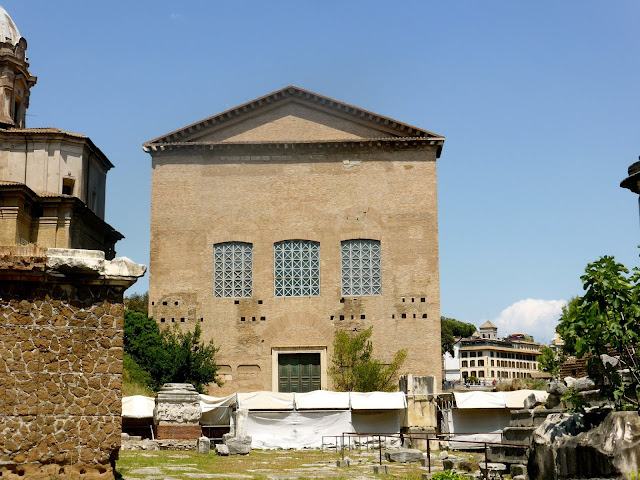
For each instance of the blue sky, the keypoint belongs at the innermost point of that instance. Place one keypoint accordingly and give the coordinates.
(538, 102)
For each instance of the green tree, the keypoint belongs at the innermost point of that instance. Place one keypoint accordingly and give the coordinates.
(569, 310)
(137, 302)
(355, 369)
(169, 355)
(142, 338)
(550, 361)
(187, 359)
(607, 317)
(452, 331)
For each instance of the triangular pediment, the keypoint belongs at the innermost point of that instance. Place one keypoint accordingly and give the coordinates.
(292, 115)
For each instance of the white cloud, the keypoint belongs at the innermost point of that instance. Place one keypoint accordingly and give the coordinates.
(534, 317)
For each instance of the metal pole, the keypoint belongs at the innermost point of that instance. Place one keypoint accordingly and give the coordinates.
(342, 446)
(486, 463)
(380, 448)
(428, 452)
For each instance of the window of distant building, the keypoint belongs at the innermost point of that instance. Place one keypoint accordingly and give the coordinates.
(465, 364)
(360, 267)
(67, 186)
(296, 266)
(233, 270)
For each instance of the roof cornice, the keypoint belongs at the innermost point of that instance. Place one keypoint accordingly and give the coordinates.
(406, 142)
(292, 92)
(56, 133)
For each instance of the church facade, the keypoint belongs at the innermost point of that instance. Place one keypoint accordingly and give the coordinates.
(281, 220)
(52, 182)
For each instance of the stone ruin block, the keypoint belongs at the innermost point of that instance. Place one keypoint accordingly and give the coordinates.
(61, 347)
(177, 412)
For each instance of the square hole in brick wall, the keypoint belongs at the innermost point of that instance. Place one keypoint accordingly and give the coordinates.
(422, 299)
(182, 320)
(342, 300)
(341, 317)
(153, 303)
(175, 303)
(402, 299)
(201, 319)
(173, 319)
(413, 300)
(162, 320)
(164, 303)
(242, 319)
(236, 302)
(414, 315)
(262, 319)
(253, 319)
(393, 316)
(424, 315)
(404, 315)
(331, 317)
(259, 302)
(361, 317)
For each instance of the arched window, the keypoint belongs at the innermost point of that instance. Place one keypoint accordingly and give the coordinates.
(296, 265)
(233, 270)
(361, 270)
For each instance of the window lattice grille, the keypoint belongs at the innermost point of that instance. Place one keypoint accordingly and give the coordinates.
(233, 270)
(361, 272)
(296, 268)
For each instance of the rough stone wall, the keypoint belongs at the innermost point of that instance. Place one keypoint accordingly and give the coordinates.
(265, 196)
(61, 347)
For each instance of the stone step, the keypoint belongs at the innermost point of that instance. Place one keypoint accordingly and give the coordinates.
(519, 435)
(508, 454)
(531, 418)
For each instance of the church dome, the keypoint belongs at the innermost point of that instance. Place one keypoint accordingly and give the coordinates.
(8, 31)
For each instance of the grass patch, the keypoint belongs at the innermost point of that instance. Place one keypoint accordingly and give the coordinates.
(259, 464)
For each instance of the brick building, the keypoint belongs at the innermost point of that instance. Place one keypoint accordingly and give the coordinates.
(281, 220)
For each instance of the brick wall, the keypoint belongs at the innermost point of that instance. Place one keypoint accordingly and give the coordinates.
(262, 197)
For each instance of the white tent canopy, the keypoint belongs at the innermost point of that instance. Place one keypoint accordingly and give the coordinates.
(138, 406)
(482, 416)
(216, 411)
(513, 400)
(266, 401)
(378, 401)
(322, 400)
(295, 420)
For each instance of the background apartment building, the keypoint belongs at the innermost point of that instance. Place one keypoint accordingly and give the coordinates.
(488, 358)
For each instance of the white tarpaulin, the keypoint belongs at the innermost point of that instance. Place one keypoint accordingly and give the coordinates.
(513, 399)
(480, 399)
(478, 425)
(295, 429)
(322, 399)
(216, 411)
(265, 401)
(378, 401)
(516, 399)
(138, 406)
(376, 422)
